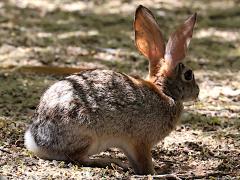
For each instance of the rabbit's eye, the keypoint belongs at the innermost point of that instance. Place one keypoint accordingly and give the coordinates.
(188, 75)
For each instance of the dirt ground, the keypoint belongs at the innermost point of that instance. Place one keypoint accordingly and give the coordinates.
(98, 34)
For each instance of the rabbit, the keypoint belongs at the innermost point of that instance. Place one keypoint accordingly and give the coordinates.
(93, 110)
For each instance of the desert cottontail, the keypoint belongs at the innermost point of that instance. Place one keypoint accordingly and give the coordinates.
(86, 113)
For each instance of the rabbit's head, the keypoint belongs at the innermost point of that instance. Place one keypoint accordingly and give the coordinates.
(165, 68)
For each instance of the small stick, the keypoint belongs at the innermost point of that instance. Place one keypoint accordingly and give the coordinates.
(49, 70)
(164, 176)
(207, 175)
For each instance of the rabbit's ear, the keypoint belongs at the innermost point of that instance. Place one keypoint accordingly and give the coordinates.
(178, 42)
(148, 38)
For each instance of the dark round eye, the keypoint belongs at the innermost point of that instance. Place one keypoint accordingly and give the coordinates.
(188, 75)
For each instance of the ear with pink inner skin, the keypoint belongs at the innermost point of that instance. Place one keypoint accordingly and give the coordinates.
(178, 42)
(148, 38)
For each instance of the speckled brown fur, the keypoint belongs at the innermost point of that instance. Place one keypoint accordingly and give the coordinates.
(86, 113)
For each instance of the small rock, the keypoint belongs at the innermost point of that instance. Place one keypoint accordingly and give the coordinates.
(55, 163)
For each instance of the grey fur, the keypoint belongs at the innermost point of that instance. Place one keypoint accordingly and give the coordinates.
(102, 103)
(88, 112)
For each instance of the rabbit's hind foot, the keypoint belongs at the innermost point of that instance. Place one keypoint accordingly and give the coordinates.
(103, 163)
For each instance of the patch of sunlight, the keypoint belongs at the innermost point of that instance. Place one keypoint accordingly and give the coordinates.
(65, 22)
(175, 137)
(223, 35)
(219, 74)
(215, 84)
(1, 4)
(105, 7)
(127, 8)
(215, 4)
(217, 91)
(44, 34)
(194, 136)
(77, 33)
(11, 55)
(77, 6)
(115, 7)
(76, 50)
(40, 4)
(111, 54)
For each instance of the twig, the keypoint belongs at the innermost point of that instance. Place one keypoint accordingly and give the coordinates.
(164, 176)
(214, 174)
(49, 70)
(180, 176)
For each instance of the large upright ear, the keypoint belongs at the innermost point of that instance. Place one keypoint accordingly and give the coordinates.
(178, 42)
(148, 38)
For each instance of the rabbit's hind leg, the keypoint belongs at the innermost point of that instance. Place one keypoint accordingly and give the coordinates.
(103, 163)
(52, 155)
(82, 157)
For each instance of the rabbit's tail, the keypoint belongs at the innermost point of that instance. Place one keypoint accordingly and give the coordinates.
(30, 142)
(43, 153)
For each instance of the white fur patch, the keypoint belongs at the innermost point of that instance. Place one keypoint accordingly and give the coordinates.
(59, 94)
(29, 142)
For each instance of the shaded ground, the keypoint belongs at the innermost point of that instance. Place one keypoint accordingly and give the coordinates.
(98, 34)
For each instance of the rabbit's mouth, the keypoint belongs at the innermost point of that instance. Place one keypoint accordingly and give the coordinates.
(191, 98)
(187, 99)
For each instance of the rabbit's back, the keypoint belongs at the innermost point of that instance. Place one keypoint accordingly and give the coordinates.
(106, 103)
